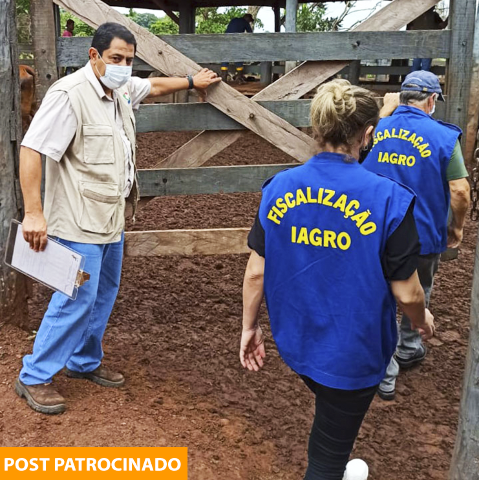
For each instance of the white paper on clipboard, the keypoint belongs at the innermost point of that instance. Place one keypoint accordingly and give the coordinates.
(57, 267)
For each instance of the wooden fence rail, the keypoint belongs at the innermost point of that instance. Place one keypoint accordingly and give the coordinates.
(206, 180)
(176, 117)
(272, 47)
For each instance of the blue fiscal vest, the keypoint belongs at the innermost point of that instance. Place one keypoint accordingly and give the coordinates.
(332, 312)
(414, 149)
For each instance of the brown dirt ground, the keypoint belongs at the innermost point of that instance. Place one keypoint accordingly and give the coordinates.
(174, 332)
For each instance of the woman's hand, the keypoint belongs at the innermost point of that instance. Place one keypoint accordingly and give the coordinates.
(252, 349)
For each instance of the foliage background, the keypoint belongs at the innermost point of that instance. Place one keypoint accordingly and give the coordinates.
(311, 18)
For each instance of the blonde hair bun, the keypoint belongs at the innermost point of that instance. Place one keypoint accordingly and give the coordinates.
(340, 110)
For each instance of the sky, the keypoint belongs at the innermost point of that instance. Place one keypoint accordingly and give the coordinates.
(362, 10)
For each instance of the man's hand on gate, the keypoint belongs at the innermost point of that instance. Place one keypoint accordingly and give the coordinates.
(203, 79)
(35, 231)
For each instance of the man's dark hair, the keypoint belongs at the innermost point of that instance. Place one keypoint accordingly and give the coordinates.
(107, 32)
(248, 17)
(70, 22)
(406, 97)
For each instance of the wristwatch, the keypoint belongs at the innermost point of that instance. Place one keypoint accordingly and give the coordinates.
(191, 83)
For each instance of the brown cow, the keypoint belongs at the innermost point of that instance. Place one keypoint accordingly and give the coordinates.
(28, 100)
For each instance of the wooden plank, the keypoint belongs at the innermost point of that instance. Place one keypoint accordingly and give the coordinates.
(473, 111)
(221, 241)
(44, 45)
(202, 116)
(465, 460)
(13, 286)
(171, 62)
(206, 180)
(297, 83)
(273, 47)
(461, 23)
(395, 70)
(164, 117)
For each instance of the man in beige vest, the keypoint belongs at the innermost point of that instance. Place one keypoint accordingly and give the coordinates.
(86, 129)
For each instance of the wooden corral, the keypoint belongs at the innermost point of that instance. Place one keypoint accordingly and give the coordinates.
(274, 113)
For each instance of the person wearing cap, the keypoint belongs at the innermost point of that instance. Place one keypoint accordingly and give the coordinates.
(413, 148)
(237, 25)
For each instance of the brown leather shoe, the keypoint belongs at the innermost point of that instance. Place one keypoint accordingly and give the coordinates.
(42, 398)
(101, 375)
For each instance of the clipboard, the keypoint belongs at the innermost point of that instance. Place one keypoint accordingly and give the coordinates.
(57, 267)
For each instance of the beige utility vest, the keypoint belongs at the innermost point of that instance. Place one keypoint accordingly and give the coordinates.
(84, 191)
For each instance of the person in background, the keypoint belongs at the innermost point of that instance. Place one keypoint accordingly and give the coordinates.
(68, 32)
(86, 129)
(334, 246)
(238, 25)
(430, 20)
(416, 150)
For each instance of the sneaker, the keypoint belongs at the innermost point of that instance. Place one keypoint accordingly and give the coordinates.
(42, 398)
(356, 469)
(102, 376)
(387, 396)
(417, 358)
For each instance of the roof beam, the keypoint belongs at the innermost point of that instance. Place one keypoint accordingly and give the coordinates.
(167, 9)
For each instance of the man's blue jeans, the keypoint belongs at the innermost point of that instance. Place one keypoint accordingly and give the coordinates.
(421, 64)
(410, 341)
(71, 331)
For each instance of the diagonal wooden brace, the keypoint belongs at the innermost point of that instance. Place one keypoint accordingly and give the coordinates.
(171, 62)
(295, 84)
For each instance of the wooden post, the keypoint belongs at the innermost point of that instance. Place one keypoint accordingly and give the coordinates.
(473, 113)
(266, 72)
(290, 26)
(465, 461)
(354, 72)
(187, 17)
(461, 23)
(277, 18)
(187, 25)
(44, 45)
(13, 286)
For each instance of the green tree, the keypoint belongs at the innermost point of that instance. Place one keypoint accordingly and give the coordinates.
(145, 20)
(164, 26)
(23, 21)
(311, 18)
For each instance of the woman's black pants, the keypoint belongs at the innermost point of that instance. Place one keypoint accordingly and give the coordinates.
(338, 418)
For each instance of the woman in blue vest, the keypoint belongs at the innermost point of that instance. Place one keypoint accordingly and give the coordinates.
(334, 247)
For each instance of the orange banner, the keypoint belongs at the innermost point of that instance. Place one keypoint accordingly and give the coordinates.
(94, 463)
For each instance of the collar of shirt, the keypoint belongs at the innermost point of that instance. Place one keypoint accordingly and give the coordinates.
(90, 75)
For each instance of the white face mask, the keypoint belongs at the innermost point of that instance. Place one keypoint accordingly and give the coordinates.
(115, 75)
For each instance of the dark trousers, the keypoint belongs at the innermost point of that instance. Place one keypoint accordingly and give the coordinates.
(338, 418)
